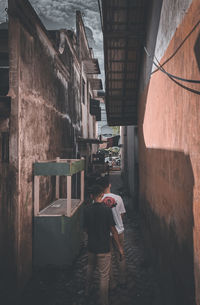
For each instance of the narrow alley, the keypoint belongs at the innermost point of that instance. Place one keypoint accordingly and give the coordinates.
(65, 286)
(90, 89)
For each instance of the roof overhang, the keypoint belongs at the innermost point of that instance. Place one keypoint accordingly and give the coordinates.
(96, 83)
(91, 66)
(124, 23)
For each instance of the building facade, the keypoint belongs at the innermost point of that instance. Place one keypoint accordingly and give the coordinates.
(45, 90)
(169, 152)
(160, 66)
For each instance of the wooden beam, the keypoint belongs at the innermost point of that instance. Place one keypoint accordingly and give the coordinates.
(124, 23)
(122, 97)
(122, 60)
(127, 115)
(131, 48)
(121, 79)
(69, 195)
(82, 185)
(36, 195)
(51, 169)
(125, 7)
(122, 34)
(129, 106)
(57, 182)
(77, 166)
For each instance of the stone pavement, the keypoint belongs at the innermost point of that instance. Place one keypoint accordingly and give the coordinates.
(53, 286)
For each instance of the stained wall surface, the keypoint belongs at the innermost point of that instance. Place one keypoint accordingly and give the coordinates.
(169, 158)
(44, 122)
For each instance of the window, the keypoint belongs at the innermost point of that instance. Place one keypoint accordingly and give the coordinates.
(5, 147)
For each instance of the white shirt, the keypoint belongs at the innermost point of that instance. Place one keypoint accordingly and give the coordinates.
(117, 211)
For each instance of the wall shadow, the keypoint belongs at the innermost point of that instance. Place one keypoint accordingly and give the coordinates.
(166, 207)
(8, 275)
(166, 184)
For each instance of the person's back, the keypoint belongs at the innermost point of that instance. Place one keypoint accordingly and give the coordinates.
(98, 223)
(115, 203)
(118, 209)
(98, 220)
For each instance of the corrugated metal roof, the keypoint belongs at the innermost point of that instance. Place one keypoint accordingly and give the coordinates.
(124, 31)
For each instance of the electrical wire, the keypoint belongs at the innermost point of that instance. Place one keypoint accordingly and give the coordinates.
(177, 49)
(171, 76)
(175, 81)
(160, 67)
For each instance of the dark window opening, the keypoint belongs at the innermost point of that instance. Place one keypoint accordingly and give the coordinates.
(5, 147)
(83, 91)
(4, 62)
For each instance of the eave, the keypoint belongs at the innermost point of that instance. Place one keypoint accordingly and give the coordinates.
(124, 24)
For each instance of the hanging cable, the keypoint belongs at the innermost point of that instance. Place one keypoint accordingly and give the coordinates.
(160, 67)
(171, 76)
(177, 49)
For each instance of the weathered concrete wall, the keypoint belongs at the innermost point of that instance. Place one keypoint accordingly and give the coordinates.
(5, 174)
(131, 162)
(172, 14)
(45, 80)
(88, 121)
(123, 135)
(91, 118)
(44, 121)
(169, 118)
(45, 117)
(91, 126)
(84, 121)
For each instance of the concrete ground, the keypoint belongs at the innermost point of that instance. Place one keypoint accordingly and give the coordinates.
(54, 286)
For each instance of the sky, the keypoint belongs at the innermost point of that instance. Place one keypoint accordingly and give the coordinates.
(56, 14)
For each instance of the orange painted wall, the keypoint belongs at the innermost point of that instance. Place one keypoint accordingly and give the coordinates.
(169, 152)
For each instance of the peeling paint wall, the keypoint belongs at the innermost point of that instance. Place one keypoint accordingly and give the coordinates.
(46, 120)
(44, 123)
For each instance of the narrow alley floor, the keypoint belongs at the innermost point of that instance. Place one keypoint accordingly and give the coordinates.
(56, 286)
